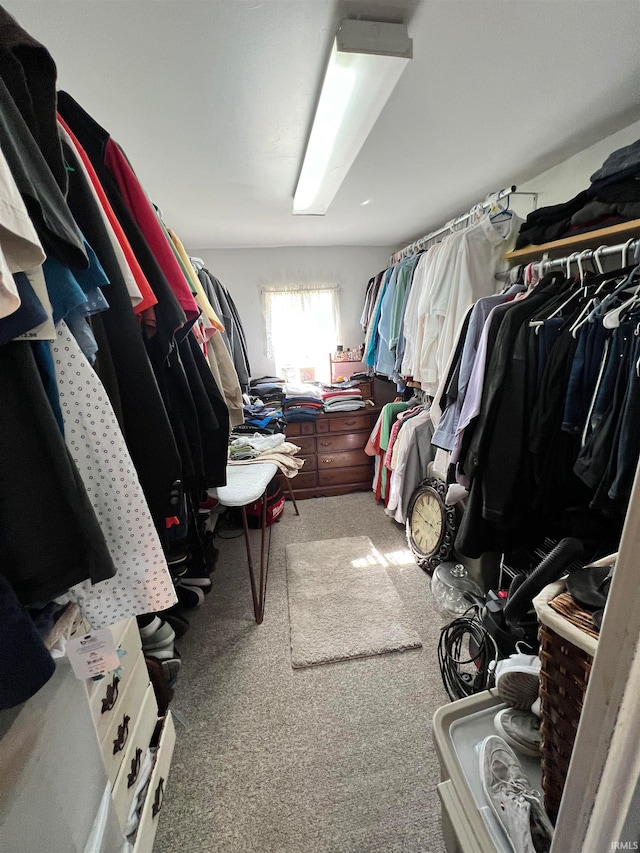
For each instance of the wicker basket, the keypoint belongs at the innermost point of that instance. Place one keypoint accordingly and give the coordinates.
(567, 649)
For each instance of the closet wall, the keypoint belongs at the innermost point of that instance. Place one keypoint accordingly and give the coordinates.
(246, 271)
(565, 180)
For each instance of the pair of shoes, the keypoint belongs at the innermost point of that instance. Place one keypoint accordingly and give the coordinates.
(515, 803)
(518, 680)
(197, 577)
(520, 729)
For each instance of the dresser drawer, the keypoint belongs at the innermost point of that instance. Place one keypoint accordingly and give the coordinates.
(292, 429)
(300, 481)
(349, 423)
(125, 785)
(157, 789)
(348, 441)
(307, 428)
(307, 445)
(341, 476)
(310, 463)
(105, 694)
(347, 459)
(123, 722)
(322, 426)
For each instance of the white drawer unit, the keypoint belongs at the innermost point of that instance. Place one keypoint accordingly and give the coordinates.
(105, 695)
(125, 784)
(157, 788)
(74, 752)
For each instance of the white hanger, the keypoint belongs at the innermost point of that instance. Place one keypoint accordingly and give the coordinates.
(611, 319)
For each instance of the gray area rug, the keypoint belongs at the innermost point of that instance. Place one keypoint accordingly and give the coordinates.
(342, 603)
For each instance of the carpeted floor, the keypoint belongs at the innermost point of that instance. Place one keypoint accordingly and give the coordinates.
(331, 759)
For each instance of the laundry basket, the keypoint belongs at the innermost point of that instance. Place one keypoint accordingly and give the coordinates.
(568, 645)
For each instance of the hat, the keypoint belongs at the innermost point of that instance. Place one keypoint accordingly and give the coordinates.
(590, 586)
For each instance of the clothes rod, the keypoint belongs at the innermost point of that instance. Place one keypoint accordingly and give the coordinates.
(624, 249)
(419, 244)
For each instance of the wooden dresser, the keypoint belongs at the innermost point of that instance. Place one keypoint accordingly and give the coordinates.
(333, 449)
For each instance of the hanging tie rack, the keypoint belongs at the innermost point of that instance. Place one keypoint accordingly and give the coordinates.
(492, 201)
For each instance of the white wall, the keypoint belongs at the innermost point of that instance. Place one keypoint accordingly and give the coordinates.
(246, 271)
(564, 181)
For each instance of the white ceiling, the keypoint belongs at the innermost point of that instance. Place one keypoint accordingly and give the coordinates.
(213, 100)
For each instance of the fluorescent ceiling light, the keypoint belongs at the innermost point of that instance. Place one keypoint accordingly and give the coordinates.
(366, 62)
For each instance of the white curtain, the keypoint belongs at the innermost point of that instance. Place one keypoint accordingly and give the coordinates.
(302, 326)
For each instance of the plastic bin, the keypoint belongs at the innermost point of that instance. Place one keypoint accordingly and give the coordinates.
(468, 822)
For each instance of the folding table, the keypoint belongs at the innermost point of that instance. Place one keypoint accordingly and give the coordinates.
(245, 485)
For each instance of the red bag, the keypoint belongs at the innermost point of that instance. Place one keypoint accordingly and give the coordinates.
(275, 506)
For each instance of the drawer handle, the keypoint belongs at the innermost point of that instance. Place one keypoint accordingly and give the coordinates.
(325, 444)
(158, 798)
(135, 767)
(328, 460)
(123, 734)
(111, 696)
(350, 423)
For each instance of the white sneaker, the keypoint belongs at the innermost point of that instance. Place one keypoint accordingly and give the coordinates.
(520, 729)
(515, 803)
(500, 772)
(518, 680)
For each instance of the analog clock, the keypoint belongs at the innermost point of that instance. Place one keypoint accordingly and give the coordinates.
(431, 524)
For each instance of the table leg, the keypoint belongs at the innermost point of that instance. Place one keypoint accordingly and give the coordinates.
(245, 527)
(291, 495)
(258, 595)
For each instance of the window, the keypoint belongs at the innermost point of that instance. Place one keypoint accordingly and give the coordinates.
(302, 329)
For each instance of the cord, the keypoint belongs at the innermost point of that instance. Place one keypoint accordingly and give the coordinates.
(457, 682)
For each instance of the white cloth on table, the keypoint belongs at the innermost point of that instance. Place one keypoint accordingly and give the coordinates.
(244, 484)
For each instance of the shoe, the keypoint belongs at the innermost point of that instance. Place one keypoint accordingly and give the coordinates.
(162, 638)
(161, 654)
(520, 729)
(170, 670)
(197, 577)
(178, 622)
(518, 680)
(150, 628)
(189, 596)
(515, 803)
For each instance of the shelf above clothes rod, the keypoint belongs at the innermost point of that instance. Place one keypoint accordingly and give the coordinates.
(422, 242)
(590, 239)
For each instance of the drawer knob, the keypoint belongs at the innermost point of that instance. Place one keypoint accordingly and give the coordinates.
(350, 423)
(111, 696)
(135, 767)
(158, 798)
(330, 459)
(123, 734)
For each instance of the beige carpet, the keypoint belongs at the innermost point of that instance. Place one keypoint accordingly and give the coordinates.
(342, 603)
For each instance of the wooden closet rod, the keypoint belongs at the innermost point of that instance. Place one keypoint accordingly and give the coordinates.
(421, 243)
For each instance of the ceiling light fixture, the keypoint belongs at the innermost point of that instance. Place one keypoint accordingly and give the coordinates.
(366, 62)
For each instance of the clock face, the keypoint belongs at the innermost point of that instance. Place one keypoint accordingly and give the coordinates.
(431, 524)
(427, 522)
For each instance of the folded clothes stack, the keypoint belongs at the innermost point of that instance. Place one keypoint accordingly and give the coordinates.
(342, 399)
(270, 389)
(612, 198)
(303, 402)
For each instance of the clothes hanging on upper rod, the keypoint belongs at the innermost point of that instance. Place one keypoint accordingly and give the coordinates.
(412, 309)
(550, 441)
